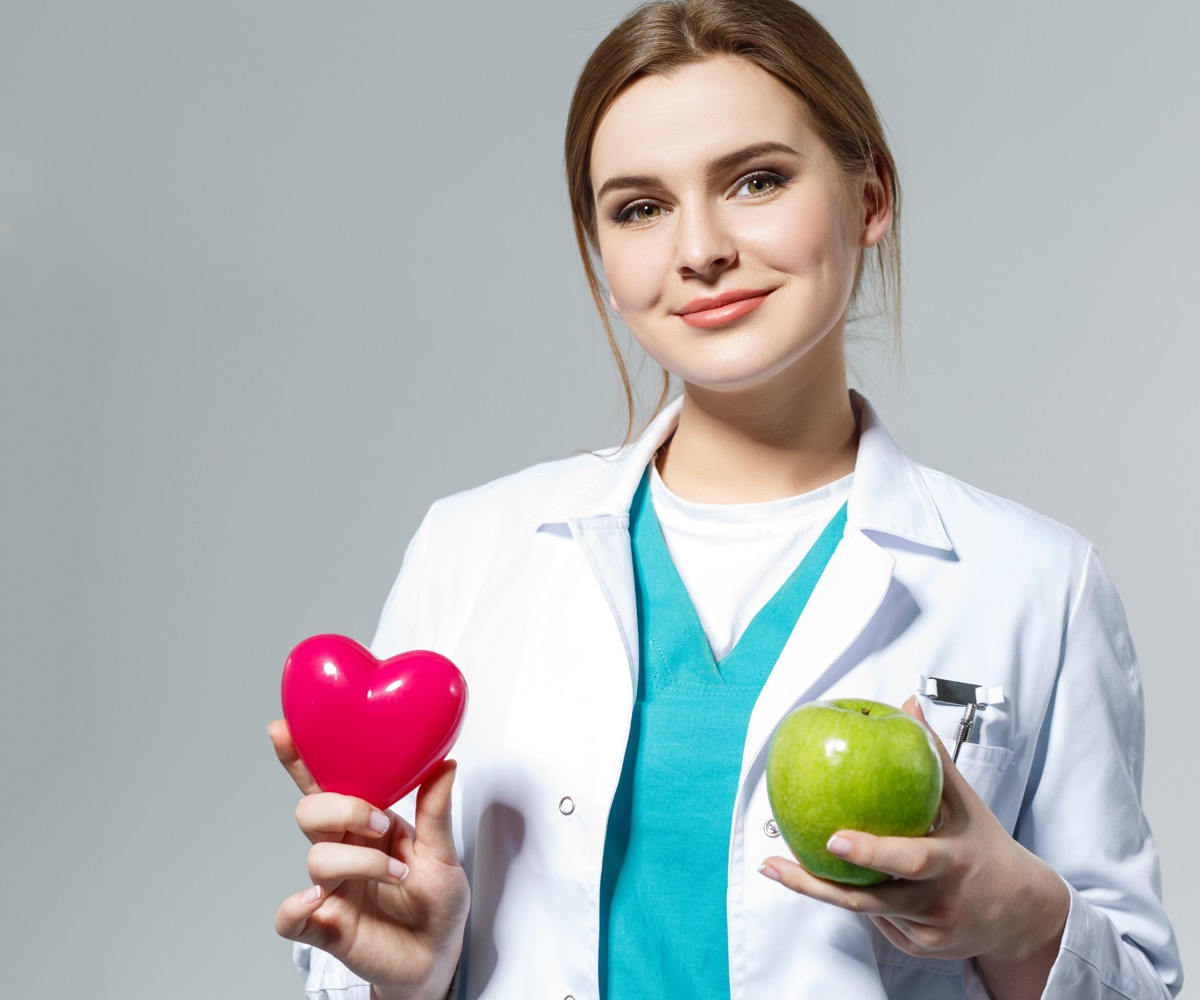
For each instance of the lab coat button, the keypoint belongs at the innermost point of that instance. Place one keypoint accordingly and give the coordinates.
(566, 806)
(771, 828)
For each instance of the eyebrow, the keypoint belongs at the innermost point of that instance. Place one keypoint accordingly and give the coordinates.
(714, 166)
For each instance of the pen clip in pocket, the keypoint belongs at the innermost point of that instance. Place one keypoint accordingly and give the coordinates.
(972, 697)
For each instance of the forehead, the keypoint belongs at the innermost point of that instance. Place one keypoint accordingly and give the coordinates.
(667, 122)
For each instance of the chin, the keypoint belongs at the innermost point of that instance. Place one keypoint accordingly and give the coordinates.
(785, 374)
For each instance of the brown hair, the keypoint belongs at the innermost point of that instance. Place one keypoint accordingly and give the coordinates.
(779, 37)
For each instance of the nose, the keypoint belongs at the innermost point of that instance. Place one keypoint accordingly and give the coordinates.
(705, 247)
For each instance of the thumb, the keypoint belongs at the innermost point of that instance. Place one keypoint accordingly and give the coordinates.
(913, 707)
(289, 757)
(955, 788)
(434, 826)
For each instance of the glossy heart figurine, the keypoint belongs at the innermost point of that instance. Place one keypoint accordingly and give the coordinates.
(370, 728)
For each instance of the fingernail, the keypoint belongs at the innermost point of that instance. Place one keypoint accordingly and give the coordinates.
(379, 822)
(312, 895)
(839, 845)
(771, 873)
(397, 869)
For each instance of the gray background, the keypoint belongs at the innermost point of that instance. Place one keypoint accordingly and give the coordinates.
(274, 276)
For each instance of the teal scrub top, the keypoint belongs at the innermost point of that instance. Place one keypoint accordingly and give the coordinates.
(663, 932)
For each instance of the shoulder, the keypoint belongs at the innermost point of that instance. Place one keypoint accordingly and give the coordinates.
(908, 506)
(472, 544)
(524, 496)
(1007, 549)
(584, 485)
(499, 519)
(972, 514)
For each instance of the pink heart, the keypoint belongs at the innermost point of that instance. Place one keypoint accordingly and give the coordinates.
(369, 728)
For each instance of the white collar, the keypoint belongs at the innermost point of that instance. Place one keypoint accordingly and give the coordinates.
(888, 496)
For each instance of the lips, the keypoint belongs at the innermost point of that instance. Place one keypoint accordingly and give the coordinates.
(718, 310)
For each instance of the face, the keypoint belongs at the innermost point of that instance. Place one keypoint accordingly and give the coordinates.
(729, 237)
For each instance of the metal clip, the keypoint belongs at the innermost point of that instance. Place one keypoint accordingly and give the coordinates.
(972, 696)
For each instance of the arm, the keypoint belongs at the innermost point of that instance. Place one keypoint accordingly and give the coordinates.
(1083, 813)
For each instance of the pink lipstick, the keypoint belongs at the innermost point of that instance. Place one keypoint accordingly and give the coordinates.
(717, 310)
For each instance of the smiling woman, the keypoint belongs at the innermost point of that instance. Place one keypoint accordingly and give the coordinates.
(731, 242)
(798, 58)
(711, 171)
(634, 625)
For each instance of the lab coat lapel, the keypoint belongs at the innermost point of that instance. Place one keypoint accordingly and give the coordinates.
(605, 544)
(888, 499)
(597, 517)
(849, 594)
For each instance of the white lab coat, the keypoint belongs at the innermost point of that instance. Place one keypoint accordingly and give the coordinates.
(527, 584)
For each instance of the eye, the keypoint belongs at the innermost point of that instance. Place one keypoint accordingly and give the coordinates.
(759, 183)
(639, 211)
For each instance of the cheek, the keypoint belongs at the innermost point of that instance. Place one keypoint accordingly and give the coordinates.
(634, 271)
(800, 246)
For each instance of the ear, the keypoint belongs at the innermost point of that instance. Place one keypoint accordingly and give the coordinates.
(877, 205)
(613, 303)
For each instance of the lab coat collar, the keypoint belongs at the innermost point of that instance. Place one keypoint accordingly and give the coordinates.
(888, 495)
(610, 493)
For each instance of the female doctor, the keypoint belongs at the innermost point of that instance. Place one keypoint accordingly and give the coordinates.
(634, 624)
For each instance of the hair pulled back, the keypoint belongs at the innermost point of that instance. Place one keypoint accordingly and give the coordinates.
(776, 35)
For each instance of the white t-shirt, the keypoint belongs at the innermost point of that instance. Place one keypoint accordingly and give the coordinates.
(733, 557)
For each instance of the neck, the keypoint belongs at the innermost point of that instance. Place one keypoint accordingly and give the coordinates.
(763, 444)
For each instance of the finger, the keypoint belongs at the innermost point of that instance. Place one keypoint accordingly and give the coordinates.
(329, 816)
(434, 827)
(403, 838)
(292, 917)
(402, 827)
(911, 858)
(289, 757)
(905, 905)
(891, 930)
(907, 936)
(853, 898)
(330, 864)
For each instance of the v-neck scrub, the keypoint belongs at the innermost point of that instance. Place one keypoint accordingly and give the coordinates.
(733, 557)
(665, 867)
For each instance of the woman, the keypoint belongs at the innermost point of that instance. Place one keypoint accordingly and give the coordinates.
(634, 625)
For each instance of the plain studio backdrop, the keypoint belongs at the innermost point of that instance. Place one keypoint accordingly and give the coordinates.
(276, 275)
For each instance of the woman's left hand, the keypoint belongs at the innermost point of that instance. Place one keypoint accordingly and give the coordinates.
(967, 890)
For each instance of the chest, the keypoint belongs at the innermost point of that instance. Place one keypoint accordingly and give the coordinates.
(551, 651)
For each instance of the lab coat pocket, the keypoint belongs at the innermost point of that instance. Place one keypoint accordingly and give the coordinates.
(983, 767)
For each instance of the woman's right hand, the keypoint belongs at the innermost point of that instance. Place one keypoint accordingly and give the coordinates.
(387, 900)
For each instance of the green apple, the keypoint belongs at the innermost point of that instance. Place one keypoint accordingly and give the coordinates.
(850, 764)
